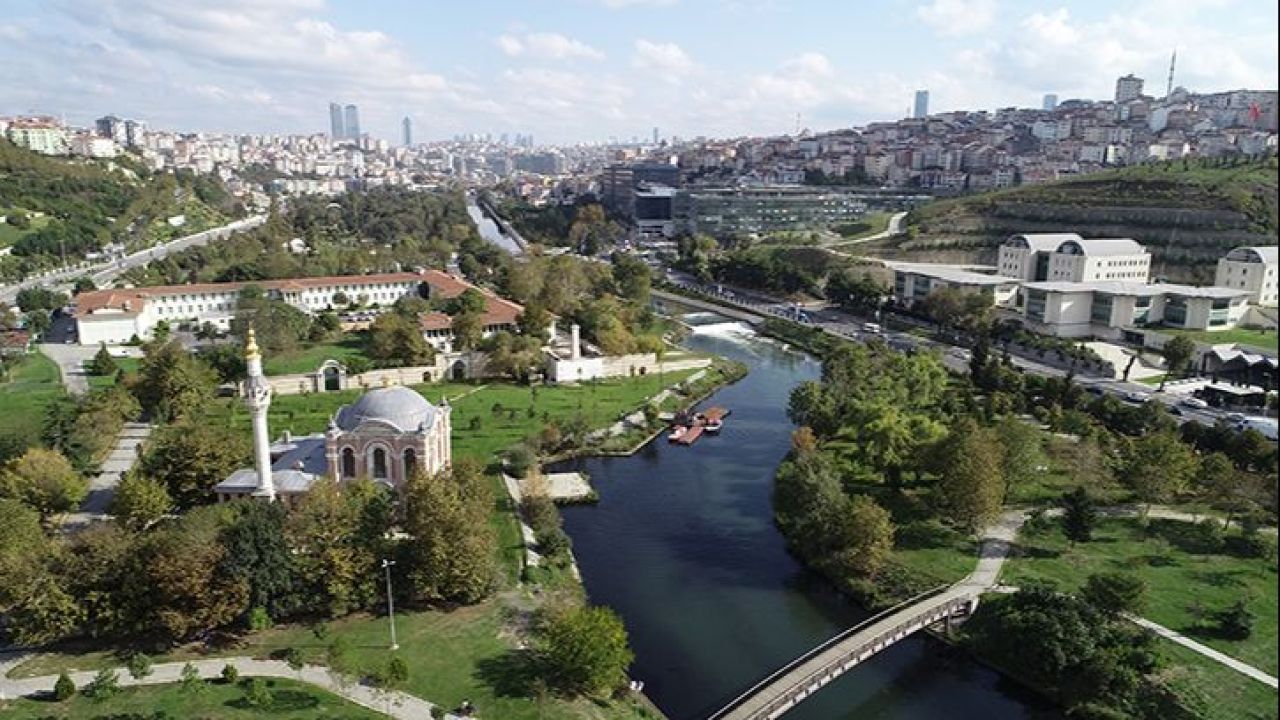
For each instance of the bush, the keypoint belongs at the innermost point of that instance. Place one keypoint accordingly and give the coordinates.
(139, 666)
(230, 675)
(519, 459)
(258, 695)
(1251, 545)
(258, 619)
(1236, 622)
(104, 685)
(64, 688)
(1115, 592)
(553, 543)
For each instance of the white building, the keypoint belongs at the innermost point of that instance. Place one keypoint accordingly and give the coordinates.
(1103, 308)
(114, 316)
(913, 282)
(42, 135)
(1128, 88)
(1252, 269)
(1037, 257)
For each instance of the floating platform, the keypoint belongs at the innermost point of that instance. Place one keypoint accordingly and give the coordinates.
(691, 435)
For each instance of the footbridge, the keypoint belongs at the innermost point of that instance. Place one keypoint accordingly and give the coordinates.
(802, 677)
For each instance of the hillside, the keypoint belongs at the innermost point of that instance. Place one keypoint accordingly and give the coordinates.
(1188, 214)
(75, 206)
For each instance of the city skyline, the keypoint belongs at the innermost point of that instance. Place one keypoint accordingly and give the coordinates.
(580, 71)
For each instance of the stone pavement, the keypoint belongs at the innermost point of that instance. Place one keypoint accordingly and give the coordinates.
(103, 486)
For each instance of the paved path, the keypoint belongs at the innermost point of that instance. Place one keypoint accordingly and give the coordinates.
(1207, 651)
(894, 227)
(70, 360)
(103, 486)
(396, 704)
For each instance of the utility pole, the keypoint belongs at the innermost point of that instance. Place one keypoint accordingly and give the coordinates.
(391, 607)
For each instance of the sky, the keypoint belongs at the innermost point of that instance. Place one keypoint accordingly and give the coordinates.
(587, 70)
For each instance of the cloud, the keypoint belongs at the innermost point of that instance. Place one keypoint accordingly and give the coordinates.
(958, 17)
(551, 46)
(668, 60)
(619, 4)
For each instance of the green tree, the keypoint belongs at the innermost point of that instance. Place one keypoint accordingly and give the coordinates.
(140, 502)
(1177, 354)
(451, 547)
(1236, 622)
(337, 536)
(277, 324)
(189, 590)
(258, 555)
(583, 651)
(397, 672)
(64, 688)
(397, 341)
(1115, 592)
(1022, 451)
(102, 363)
(1221, 484)
(972, 487)
(632, 277)
(230, 675)
(190, 457)
(139, 665)
(172, 384)
(45, 480)
(468, 330)
(258, 695)
(862, 538)
(1157, 466)
(104, 685)
(1079, 515)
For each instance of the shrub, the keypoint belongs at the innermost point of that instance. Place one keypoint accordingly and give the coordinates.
(230, 675)
(64, 688)
(258, 619)
(1115, 592)
(104, 685)
(1236, 622)
(258, 695)
(1251, 545)
(139, 666)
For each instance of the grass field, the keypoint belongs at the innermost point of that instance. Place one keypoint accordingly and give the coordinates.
(1212, 690)
(293, 701)
(1266, 339)
(524, 410)
(307, 359)
(129, 365)
(1182, 581)
(31, 386)
(10, 234)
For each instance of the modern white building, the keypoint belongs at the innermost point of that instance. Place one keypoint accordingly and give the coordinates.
(1252, 269)
(115, 316)
(1067, 257)
(1104, 308)
(913, 282)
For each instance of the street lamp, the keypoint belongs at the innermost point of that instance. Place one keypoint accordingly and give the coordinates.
(391, 608)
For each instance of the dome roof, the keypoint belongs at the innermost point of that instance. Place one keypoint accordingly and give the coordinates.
(399, 407)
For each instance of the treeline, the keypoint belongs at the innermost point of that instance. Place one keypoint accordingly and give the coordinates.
(241, 566)
(584, 226)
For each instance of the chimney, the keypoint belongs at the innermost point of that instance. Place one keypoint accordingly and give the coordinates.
(575, 343)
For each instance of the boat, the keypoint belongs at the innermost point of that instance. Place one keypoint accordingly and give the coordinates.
(689, 437)
(713, 419)
(677, 432)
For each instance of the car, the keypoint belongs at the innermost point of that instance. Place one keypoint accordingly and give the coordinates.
(1175, 410)
(1236, 417)
(1194, 402)
(1137, 397)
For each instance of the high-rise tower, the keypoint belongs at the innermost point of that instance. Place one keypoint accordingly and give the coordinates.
(337, 128)
(921, 109)
(407, 126)
(257, 397)
(351, 118)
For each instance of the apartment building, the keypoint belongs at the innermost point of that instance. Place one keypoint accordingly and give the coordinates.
(1252, 269)
(1067, 257)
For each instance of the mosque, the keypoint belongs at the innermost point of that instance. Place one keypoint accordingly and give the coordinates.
(386, 435)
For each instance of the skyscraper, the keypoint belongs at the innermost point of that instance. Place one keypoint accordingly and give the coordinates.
(655, 136)
(922, 104)
(337, 130)
(1050, 102)
(351, 119)
(407, 126)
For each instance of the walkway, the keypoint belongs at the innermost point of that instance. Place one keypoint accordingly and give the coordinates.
(70, 360)
(784, 689)
(893, 227)
(1207, 651)
(103, 486)
(396, 704)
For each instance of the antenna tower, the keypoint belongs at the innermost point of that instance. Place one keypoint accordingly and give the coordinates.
(1168, 90)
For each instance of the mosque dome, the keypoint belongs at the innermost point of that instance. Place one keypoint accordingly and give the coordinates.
(399, 407)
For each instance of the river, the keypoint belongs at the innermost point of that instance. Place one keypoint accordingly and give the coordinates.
(682, 544)
(489, 229)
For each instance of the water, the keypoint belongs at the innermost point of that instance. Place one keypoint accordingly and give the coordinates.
(489, 229)
(683, 546)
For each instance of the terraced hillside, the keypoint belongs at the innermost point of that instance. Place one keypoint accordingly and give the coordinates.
(1189, 214)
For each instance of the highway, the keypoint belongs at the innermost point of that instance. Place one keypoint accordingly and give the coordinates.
(103, 274)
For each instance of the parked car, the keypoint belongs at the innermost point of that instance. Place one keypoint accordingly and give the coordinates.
(1194, 402)
(1136, 397)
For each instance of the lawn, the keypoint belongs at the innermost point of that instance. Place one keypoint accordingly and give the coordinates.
(1182, 580)
(31, 386)
(1059, 477)
(129, 365)
(307, 359)
(1212, 690)
(487, 419)
(10, 234)
(1265, 339)
(293, 701)
(866, 227)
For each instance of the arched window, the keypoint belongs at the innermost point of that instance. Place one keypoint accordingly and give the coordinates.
(379, 464)
(410, 462)
(348, 463)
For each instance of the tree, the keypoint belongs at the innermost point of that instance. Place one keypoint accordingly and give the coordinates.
(862, 539)
(397, 672)
(102, 363)
(293, 658)
(632, 277)
(187, 586)
(139, 666)
(1177, 354)
(396, 341)
(973, 485)
(84, 283)
(338, 537)
(38, 322)
(1157, 466)
(450, 553)
(103, 686)
(258, 555)
(1079, 515)
(230, 675)
(190, 457)
(276, 324)
(583, 651)
(1221, 484)
(1022, 451)
(258, 695)
(140, 502)
(64, 688)
(45, 480)
(1115, 592)
(172, 384)
(468, 330)
(1236, 622)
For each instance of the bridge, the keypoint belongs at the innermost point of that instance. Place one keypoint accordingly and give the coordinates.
(745, 313)
(802, 677)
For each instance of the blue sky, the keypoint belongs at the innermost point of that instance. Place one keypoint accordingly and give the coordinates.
(586, 70)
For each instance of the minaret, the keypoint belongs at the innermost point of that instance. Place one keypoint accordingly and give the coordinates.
(257, 397)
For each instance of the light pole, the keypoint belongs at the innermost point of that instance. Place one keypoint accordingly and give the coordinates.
(391, 608)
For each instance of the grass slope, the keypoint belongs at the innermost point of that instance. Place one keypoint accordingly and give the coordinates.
(31, 386)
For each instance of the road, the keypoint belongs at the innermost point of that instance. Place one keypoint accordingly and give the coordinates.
(851, 327)
(102, 274)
